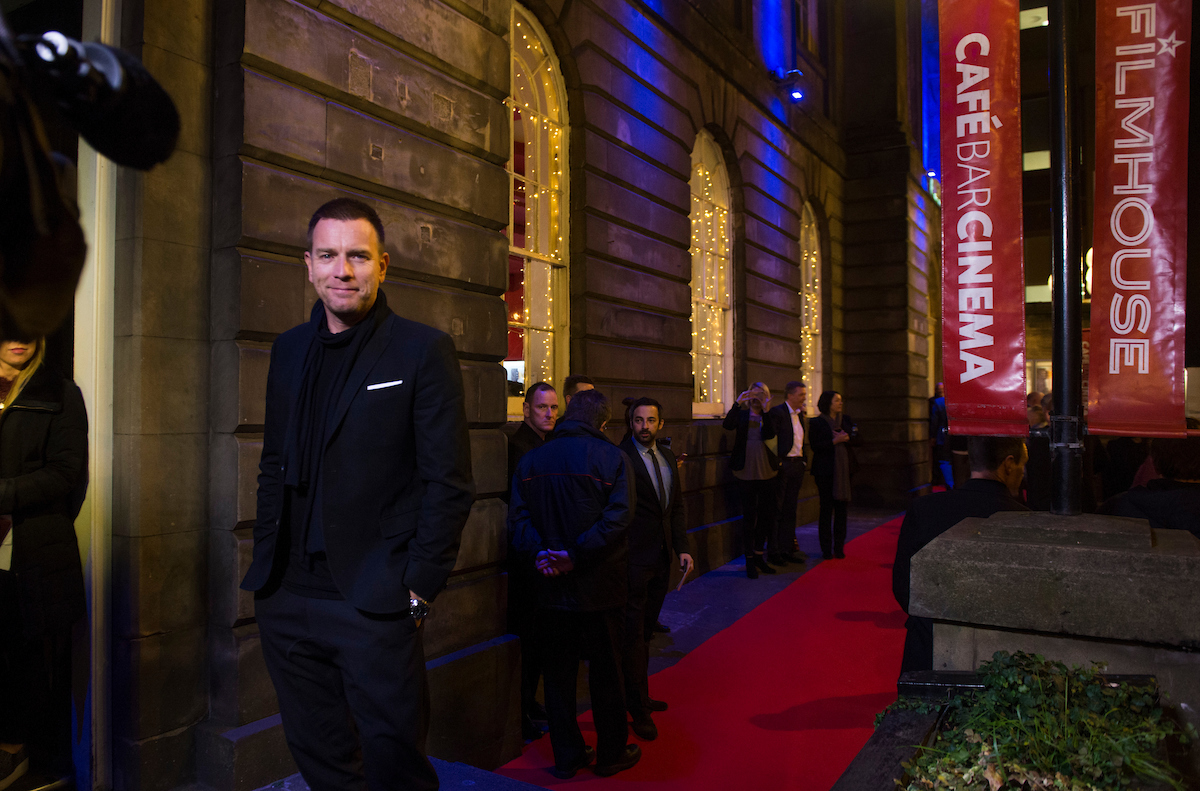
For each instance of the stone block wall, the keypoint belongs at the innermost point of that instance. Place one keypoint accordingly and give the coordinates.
(161, 411)
(892, 259)
(400, 106)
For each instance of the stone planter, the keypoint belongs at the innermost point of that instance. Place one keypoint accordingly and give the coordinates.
(902, 735)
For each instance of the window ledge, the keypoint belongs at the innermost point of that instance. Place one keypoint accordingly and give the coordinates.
(707, 410)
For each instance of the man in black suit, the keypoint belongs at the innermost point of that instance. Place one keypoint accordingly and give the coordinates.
(569, 518)
(657, 528)
(790, 425)
(997, 466)
(540, 410)
(364, 487)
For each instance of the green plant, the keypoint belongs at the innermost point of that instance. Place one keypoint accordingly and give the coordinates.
(1038, 724)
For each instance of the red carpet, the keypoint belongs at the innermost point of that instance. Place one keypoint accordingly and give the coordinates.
(783, 699)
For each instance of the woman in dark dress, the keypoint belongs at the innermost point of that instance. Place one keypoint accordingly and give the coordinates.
(755, 467)
(830, 435)
(43, 477)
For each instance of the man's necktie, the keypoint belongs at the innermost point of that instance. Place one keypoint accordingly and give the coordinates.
(662, 489)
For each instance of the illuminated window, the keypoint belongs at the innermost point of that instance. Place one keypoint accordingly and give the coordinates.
(712, 265)
(537, 231)
(810, 305)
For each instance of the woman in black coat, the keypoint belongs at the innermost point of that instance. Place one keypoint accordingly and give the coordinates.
(830, 435)
(43, 477)
(755, 466)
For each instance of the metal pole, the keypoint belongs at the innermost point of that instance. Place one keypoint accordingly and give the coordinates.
(1066, 446)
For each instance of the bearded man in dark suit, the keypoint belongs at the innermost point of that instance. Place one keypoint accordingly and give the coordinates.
(657, 528)
(364, 488)
(997, 467)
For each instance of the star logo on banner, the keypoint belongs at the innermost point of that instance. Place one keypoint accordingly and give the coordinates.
(1170, 44)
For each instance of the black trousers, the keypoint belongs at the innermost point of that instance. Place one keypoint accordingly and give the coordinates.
(831, 527)
(918, 644)
(352, 692)
(647, 592)
(566, 637)
(35, 685)
(758, 512)
(791, 478)
(522, 621)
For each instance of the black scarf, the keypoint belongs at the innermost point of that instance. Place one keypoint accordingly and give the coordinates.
(310, 419)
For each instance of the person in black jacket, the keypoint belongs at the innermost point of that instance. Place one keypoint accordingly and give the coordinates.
(829, 436)
(572, 502)
(755, 467)
(540, 414)
(656, 529)
(364, 488)
(1171, 502)
(997, 466)
(43, 478)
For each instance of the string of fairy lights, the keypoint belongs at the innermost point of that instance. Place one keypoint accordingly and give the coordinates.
(710, 269)
(810, 300)
(536, 112)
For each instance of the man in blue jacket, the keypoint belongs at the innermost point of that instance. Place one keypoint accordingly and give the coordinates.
(364, 488)
(572, 500)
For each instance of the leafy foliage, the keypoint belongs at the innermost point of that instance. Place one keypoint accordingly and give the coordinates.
(1038, 724)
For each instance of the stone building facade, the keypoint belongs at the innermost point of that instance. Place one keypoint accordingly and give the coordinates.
(831, 257)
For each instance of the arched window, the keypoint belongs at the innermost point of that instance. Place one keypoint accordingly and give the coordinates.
(811, 366)
(537, 229)
(712, 268)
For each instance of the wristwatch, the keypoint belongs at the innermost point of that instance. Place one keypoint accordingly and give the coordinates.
(418, 609)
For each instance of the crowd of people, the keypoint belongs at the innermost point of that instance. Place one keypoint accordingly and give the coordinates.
(365, 486)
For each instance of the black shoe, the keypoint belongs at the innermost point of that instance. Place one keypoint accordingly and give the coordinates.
(644, 728)
(751, 569)
(777, 560)
(839, 554)
(530, 730)
(656, 705)
(795, 557)
(827, 555)
(763, 566)
(13, 766)
(632, 755)
(567, 773)
(659, 626)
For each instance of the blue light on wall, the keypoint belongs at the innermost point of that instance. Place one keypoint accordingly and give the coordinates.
(931, 120)
(772, 30)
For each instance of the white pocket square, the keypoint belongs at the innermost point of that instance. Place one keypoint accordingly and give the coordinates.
(381, 385)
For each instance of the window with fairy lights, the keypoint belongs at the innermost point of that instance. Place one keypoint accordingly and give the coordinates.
(712, 268)
(536, 298)
(810, 305)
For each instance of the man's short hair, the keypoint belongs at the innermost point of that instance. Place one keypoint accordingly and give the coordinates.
(591, 407)
(1177, 459)
(632, 404)
(346, 209)
(988, 453)
(792, 387)
(534, 389)
(572, 382)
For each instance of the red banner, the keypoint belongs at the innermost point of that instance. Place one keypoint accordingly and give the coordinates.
(1139, 255)
(983, 278)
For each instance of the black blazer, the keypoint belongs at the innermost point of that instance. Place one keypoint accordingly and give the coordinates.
(653, 529)
(783, 431)
(738, 420)
(820, 439)
(397, 483)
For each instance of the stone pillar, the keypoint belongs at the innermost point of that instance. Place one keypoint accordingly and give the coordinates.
(159, 671)
(891, 238)
(1076, 589)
